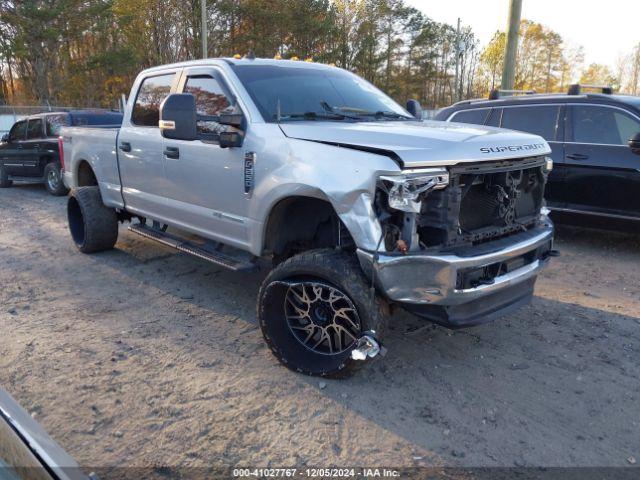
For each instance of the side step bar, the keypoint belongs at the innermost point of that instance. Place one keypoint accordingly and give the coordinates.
(219, 258)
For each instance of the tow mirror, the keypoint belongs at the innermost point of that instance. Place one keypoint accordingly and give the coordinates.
(178, 117)
(230, 139)
(5, 138)
(634, 143)
(232, 120)
(414, 108)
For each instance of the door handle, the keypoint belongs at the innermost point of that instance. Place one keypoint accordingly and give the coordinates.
(172, 152)
(19, 147)
(577, 156)
(125, 146)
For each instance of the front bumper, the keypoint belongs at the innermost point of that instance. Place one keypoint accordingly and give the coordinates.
(436, 286)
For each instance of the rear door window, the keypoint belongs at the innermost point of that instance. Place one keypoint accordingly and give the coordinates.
(602, 125)
(537, 119)
(476, 116)
(34, 130)
(55, 123)
(146, 110)
(18, 131)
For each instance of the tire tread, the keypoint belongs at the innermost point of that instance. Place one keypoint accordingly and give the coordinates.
(100, 221)
(341, 269)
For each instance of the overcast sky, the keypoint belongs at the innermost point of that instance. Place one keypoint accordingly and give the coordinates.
(605, 29)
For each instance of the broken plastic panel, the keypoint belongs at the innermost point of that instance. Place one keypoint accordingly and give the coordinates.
(404, 191)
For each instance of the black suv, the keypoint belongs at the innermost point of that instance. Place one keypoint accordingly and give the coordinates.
(595, 138)
(30, 151)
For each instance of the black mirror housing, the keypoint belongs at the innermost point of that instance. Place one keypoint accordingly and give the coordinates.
(414, 108)
(634, 143)
(232, 120)
(178, 117)
(5, 138)
(230, 139)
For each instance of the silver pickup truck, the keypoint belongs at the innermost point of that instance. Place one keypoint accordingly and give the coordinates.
(358, 205)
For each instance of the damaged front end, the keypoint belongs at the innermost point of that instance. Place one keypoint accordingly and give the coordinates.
(467, 205)
(462, 244)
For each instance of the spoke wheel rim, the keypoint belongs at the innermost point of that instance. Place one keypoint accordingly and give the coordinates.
(52, 178)
(321, 317)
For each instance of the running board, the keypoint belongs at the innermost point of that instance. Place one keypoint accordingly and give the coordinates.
(19, 178)
(219, 258)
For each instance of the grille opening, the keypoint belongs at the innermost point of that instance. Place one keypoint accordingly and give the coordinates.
(500, 199)
(484, 204)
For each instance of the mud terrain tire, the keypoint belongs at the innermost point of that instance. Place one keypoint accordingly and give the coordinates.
(93, 225)
(335, 273)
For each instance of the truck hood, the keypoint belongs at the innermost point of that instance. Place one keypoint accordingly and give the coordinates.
(422, 144)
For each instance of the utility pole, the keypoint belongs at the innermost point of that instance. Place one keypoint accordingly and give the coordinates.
(203, 10)
(511, 50)
(457, 78)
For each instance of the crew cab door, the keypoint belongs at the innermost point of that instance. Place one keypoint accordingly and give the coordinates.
(140, 146)
(12, 153)
(32, 146)
(205, 183)
(603, 174)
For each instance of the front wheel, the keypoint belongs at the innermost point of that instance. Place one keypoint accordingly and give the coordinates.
(53, 180)
(4, 178)
(313, 310)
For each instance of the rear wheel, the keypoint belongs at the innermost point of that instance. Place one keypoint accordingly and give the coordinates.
(4, 178)
(93, 225)
(53, 180)
(314, 308)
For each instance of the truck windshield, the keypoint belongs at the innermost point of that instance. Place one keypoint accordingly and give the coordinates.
(302, 93)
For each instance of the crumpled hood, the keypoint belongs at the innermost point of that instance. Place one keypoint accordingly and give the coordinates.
(423, 144)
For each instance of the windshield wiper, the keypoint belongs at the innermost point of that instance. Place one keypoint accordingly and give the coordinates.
(311, 116)
(377, 114)
(335, 110)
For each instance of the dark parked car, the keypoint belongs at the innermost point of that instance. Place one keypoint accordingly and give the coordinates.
(595, 138)
(30, 151)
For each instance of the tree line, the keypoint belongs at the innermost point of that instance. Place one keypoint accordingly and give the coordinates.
(87, 52)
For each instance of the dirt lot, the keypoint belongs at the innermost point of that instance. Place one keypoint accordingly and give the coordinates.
(142, 357)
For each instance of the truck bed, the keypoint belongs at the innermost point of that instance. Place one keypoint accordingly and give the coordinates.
(97, 146)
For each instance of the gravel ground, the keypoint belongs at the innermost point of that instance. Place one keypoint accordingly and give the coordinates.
(143, 357)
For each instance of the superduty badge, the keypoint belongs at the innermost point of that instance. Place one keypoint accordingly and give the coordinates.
(249, 166)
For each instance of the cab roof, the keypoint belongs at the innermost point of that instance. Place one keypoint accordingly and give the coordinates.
(241, 61)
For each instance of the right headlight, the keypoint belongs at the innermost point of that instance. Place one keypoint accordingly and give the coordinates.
(404, 190)
(549, 164)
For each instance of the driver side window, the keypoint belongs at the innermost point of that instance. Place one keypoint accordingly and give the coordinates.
(627, 126)
(18, 131)
(603, 125)
(211, 101)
